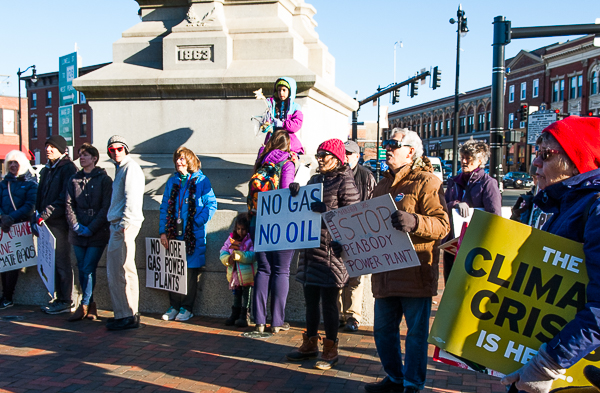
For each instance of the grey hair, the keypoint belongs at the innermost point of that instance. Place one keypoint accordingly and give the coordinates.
(563, 159)
(477, 150)
(410, 138)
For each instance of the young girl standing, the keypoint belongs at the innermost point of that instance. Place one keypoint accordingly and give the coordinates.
(238, 255)
(286, 112)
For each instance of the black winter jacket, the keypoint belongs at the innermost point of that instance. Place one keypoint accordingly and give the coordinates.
(365, 182)
(87, 203)
(23, 190)
(50, 201)
(319, 266)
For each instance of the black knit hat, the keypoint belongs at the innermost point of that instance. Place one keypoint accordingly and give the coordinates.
(59, 142)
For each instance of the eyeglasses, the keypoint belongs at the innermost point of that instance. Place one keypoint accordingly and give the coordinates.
(393, 144)
(115, 149)
(544, 153)
(322, 155)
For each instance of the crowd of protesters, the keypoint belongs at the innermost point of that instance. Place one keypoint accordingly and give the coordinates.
(87, 209)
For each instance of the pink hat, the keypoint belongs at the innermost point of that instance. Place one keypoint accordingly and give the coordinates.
(335, 147)
(580, 139)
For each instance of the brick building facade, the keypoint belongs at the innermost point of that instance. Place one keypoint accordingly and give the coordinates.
(9, 126)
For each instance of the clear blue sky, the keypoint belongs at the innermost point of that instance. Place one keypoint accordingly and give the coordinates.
(360, 34)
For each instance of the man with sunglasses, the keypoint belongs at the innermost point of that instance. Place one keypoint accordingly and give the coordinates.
(50, 205)
(567, 162)
(125, 216)
(419, 197)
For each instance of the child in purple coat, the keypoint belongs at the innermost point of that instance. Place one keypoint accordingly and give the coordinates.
(286, 112)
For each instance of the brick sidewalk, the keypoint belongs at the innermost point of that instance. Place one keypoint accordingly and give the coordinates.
(40, 352)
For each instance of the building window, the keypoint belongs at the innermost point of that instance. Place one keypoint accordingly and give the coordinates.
(448, 127)
(481, 122)
(7, 121)
(536, 88)
(573, 88)
(561, 95)
(48, 126)
(579, 85)
(470, 123)
(83, 122)
(594, 83)
(441, 128)
(511, 93)
(461, 126)
(523, 90)
(435, 129)
(34, 132)
(489, 120)
(33, 100)
(511, 120)
(555, 91)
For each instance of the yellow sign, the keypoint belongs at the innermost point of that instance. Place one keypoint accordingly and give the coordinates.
(511, 289)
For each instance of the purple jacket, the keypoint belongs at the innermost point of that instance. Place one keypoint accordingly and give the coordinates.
(481, 192)
(287, 171)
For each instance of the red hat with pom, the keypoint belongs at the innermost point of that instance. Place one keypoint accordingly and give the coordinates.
(335, 147)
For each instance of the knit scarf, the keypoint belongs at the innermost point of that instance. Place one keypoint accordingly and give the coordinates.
(188, 236)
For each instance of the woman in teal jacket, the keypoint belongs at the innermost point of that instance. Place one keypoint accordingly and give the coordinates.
(188, 193)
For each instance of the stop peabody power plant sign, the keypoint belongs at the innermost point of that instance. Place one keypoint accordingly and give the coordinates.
(371, 244)
(284, 222)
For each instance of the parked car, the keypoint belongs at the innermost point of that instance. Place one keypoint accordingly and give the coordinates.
(371, 164)
(517, 180)
(437, 167)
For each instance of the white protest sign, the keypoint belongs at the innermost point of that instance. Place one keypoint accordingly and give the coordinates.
(46, 244)
(16, 248)
(371, 244)
(458, 220)
(166, 269)
(284, 222)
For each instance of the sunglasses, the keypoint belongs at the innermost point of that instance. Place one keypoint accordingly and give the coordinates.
(544, 153)
(392, 144)
(322, 155)
(115, 149)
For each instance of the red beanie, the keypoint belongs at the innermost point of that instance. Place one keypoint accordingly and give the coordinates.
(580, 139)
(335, 147)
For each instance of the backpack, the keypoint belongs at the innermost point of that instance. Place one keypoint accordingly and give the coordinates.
(266, 178)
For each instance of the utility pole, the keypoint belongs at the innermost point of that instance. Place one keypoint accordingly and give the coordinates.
(460, 31)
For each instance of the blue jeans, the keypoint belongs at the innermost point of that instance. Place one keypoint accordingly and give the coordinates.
(388, 315)
(87, 261)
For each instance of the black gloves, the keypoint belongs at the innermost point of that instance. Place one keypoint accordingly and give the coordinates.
(403, 221)
(294, 189)
(7, 222)
(336, 248)
(318, 207)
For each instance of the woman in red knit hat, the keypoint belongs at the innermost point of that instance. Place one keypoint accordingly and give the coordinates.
(321, 271)
(568, 161)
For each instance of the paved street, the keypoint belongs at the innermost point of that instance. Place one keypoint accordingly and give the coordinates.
(40, 352)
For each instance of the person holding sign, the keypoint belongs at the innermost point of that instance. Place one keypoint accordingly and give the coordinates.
(188, 204)
(472, 188)
(567, 162)
(18, 191)
(88, 200)
(321, 271)
(273, 273)
(408, 292)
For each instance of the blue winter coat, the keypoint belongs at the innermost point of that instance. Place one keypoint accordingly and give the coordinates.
(567, 201)
(206, 206)
(24, 192)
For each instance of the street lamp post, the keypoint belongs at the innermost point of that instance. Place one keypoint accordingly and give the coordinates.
(33, 79)
(462, 30)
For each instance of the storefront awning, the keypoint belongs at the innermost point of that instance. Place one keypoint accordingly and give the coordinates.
(5, 149)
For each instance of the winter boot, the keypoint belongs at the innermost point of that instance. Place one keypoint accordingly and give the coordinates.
(92, 312)
(308, 350)
(329, 357)
(235, 314)
(242, 321)
(79, 314)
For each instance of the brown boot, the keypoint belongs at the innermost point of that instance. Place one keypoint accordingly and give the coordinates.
(79, 314)
(329, 357)
(92, 312)
(308, 350)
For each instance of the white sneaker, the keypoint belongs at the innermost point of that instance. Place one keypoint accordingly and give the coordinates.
(170, 314)
(183, 315)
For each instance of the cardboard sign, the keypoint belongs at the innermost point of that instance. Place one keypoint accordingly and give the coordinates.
(166, 269)
(371, 244)
(16, 248)
(284, 222)
(511, 289)
(46, 244)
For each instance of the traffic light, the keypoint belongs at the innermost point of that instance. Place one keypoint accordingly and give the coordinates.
(395, 96)
(414, 88)
(524, 112)
(437, 78)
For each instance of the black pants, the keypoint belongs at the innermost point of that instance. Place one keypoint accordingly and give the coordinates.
(448, 263)
(329, 302)
(178, 300)
(9, 282)
(241, 297)
(62, 259)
